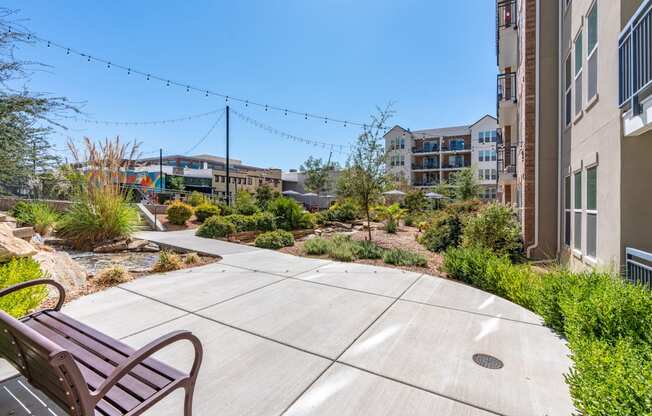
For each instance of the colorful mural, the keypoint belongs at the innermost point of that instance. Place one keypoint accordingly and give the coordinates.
(148, 181)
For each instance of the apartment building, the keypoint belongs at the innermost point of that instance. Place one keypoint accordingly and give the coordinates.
(207, 173)
(593, 137)
(527, 106)
(426, 158)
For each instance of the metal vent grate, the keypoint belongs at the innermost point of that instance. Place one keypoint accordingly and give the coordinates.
(487, 361)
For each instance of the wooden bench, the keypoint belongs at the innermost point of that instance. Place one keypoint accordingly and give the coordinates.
(87, 372)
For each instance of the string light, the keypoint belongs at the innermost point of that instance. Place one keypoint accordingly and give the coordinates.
(168, 82)
(143, 123)
(337, 148)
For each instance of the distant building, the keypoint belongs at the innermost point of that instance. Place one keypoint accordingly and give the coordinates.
(207, 173)
(295, 181)
(426, 158)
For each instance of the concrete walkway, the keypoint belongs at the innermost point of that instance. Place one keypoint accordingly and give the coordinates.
(297, 336)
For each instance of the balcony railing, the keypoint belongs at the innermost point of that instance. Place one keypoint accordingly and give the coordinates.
(506, 87)
(461, 165)
(425, 149)
(424, 166)
(635, 58)
(638, 266)
(506, 17)
(425, 183)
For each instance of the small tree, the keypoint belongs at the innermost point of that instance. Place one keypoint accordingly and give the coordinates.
(175, 183)
(465, 184)
(364, 178)
(264, 194)
(317, 174)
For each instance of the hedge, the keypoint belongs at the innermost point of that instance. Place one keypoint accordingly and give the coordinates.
(275, 239)
(606, 322)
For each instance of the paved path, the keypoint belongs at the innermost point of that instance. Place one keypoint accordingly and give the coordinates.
(296, 336)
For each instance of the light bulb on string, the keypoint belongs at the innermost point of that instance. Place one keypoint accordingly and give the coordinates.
(148, 77)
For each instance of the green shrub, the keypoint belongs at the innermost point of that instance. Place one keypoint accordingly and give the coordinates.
(400, 257)
(178, 213)
(408, 221)
(242, 222)
(245, 204)
(415, 202)
(289, 215)
(495, 227)
(343, 211)
(607, 322)
(317, 246)
(225, 210)
(274, 239)
(102, 217)
(445, 228)
(16, 271)
(307, 221)
(197, 198)
(264, 221)
(205, 211)
(391, 226)
(611, 379)
(366, 249)
(38, 215)
(341, 252)
(216, 227)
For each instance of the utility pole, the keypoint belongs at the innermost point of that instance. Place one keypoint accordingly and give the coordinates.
(228, 178)
(160, 170)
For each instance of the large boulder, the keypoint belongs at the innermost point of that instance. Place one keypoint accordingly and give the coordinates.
(59, 266)
(11, 246)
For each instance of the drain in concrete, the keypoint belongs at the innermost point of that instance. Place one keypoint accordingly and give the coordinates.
(487, 361)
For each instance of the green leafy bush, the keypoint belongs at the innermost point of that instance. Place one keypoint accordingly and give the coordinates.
(400, 257)
(102, 217)
(264, 221)
(242, 222)
(408, 220)
(245, 204)
(343, 211)
(36, 214)
(16, 271)
(216, 227)
(289, 215)
(197, 198)
(274, 239)
(225, 209)
(607, 322)
(495, 227)
(205, 211)
(415, 202)
(445, 228)
(307, 221)
(317, 246)
(341, 252)
(367, 250)
(178, 213)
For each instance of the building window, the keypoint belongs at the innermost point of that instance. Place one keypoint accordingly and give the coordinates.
(592, 50)
(494, 156)
(249, 181)
(578, 212)
(578, 73)
(480, 174)
(402, 143)
(494, 174)
(567, 211)
(481, 156)
(591, 211)
(568, 108)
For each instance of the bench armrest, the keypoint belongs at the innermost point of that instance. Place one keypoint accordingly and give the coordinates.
(145, 352)
(38, 282)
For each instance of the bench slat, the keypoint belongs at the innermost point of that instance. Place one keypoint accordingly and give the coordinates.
(157, 366)
(129, 392)
(152, 378)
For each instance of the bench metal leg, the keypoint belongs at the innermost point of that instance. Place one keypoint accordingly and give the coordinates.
(187, 403)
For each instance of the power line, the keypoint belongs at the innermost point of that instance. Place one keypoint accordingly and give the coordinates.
(338, 148)
(110, 64)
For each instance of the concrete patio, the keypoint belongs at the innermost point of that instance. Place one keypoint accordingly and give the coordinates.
(297, 336)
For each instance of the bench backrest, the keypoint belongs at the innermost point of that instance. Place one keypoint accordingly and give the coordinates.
(45, 364)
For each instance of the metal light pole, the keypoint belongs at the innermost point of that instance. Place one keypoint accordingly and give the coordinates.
(228, 177)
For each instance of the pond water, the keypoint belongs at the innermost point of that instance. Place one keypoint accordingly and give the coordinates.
(132, 261)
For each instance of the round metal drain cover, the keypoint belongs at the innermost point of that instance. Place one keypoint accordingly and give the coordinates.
(488, 361)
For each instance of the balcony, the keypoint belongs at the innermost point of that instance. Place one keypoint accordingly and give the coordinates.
(506, 164)
(456, 165)
(425, 166)
(426, 149)
(635, 71)
(506, 88)
(423, 184)
(506, 18)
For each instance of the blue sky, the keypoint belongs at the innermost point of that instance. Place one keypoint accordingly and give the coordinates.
(340, 58)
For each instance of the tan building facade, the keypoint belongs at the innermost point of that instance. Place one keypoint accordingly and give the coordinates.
(581, 178)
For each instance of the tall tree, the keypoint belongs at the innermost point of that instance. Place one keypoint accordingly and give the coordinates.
(318, 174)
(465, 185)
(364, 178)
(26, 118)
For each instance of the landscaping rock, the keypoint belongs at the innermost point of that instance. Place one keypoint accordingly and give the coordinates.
(151, 248)
(24, 233)
(112, 247)
(137, 245)
(59, 266)
(11, 246)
